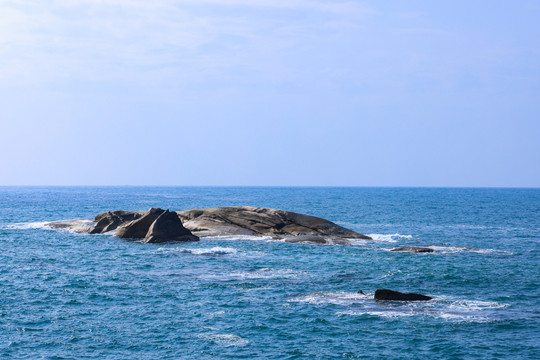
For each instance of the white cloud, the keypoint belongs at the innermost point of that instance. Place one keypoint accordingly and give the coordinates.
(121, 39)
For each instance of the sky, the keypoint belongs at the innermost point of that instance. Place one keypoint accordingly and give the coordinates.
(270, 93)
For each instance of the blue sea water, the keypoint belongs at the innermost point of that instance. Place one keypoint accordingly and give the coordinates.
(73, 296)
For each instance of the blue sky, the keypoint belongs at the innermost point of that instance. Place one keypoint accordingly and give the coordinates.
(248, 92)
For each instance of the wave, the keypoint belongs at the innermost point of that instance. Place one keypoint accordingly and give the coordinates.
(441, 307)
(336, 298)
(389, 237)
(457, 249)
(473, 305)
(265, 273)
(28, 225)
(225, 339)
(72, 226)
(441, 249)
(216, 250)
(239, 237)
(386, 314)
(448, 316)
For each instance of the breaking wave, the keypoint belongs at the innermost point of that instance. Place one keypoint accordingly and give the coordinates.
(441, 307)
(457, 249)
(389, 237)
(28, 225)
(326, 297)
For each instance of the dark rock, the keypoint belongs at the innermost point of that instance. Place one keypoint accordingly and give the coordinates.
(236, 220)
(168, 227)
(247, 220)
(316, 239)
(413, 249)
(138, 228)
(110, 220)
(360, 292)
(385, 294)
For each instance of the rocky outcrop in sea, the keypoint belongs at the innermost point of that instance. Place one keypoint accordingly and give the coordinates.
(158, 225)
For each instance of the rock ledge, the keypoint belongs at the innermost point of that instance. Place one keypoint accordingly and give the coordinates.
(232, 220)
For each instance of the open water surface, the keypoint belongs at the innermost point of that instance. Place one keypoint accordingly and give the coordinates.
(73, 296)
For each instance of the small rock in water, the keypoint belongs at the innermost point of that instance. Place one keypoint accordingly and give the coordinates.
(386, 294)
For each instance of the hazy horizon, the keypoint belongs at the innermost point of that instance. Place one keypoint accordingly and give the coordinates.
(270, 93)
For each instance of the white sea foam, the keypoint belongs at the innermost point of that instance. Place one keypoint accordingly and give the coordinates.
(336, 298)
(28, 225)
(442, 307)
(389, 237)
(386, 314)
(448, 316)
(217, 250)
(359, 242)
(265, 273)
(73, 226)
(239, 237)
(225, 339)
(457, 249)
(475, 305)
(440, 249)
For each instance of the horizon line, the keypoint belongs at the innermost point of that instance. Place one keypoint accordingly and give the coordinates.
(291, 186)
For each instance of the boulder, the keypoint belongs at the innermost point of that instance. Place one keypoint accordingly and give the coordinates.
(385, 294)
(168, 227)
(138, 228)
(110, 220)
(413, 249)
(232, 220)
(248, 220)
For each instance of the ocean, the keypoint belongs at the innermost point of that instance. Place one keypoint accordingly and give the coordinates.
(73, 296)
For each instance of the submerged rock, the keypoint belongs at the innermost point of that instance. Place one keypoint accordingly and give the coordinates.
(413, 249)
(168, 227)
(316, 239)
(386, 294)
(80, 226)
(138, 228)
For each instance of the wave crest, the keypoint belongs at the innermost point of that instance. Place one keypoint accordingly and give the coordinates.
(389, 237)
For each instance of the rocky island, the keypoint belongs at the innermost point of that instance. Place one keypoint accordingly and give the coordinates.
(157, 225)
